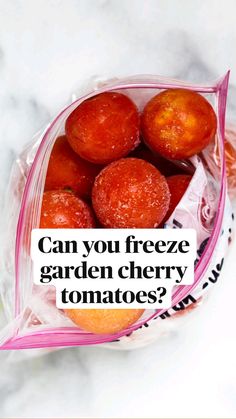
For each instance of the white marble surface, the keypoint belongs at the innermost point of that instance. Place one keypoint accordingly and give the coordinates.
(48, 49)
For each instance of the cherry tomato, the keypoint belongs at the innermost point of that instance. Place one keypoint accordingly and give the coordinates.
(104, 128)
(130, 193)
(62, 209)
(66, 170)
(178, 123)
(104, 321)
(178, 185)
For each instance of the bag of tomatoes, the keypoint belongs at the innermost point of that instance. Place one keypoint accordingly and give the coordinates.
(143, 152)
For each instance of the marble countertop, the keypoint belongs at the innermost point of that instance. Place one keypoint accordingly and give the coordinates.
(48, 50)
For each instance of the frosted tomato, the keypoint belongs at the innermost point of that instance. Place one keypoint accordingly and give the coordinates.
(130, 193)
(178, 123)
(66, 170)
(104, 128)
(62, 209)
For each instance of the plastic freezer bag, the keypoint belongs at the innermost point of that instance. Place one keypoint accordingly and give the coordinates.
(33, 318)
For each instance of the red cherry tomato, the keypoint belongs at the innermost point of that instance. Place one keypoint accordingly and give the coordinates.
(130, 193)
(66, 170)
(178, 123)
(62, 209)
(178, 185)
(104, 128)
